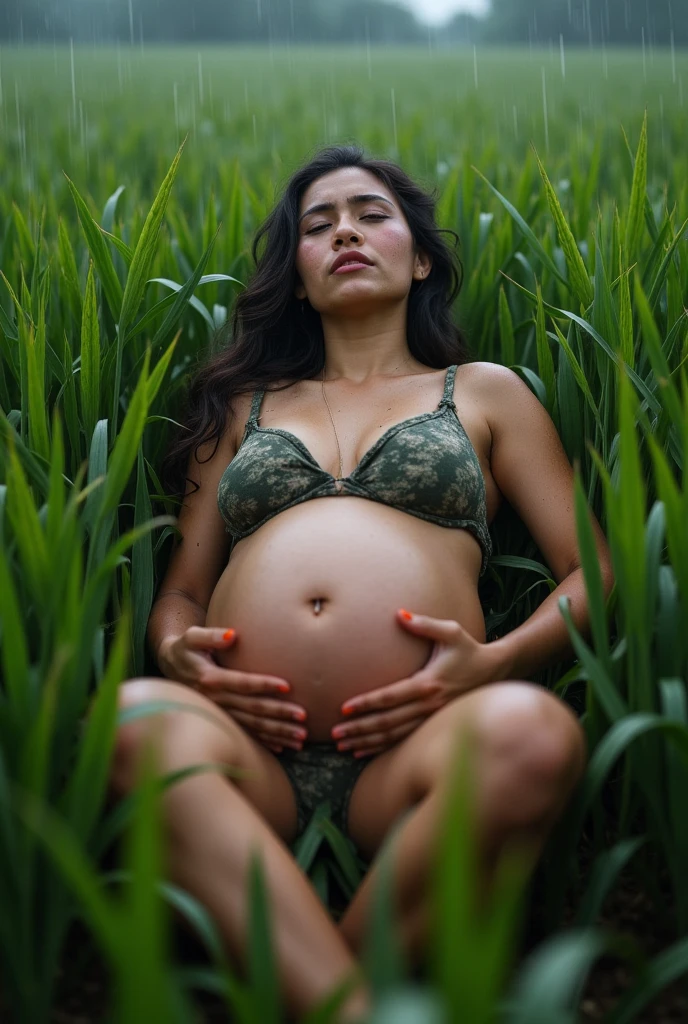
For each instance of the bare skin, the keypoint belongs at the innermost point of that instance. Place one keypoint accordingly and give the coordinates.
(530, 750)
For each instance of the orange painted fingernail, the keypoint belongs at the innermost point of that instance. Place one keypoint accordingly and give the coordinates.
(283, 687)
(405, 615)
(228, 634)
(348, 711)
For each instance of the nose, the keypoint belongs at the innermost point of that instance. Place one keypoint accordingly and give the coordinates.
(345, 230)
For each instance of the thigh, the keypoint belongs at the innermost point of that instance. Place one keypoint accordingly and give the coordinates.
(401, 777)
(205, 732)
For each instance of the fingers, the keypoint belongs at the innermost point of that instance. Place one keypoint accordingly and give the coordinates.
(260, 706)
(276, 748)
(275, 731)
(213, 675)
(393, 695)
(349, 734)
(384, 720)
(190, 659)
(207, 638)
(377, 742)
(440, 630)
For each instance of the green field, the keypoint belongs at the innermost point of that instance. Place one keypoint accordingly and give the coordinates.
(576, 276)
(112, 117)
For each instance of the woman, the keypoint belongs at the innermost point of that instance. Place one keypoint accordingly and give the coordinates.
(301, 637)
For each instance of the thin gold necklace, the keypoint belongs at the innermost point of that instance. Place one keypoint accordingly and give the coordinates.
(340, 477)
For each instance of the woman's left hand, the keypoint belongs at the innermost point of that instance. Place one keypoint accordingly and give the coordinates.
(458, 663)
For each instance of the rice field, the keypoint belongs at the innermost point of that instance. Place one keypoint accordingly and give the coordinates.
(131, 185)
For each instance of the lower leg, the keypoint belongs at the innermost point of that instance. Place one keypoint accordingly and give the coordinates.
(211, 833)
(413, 861)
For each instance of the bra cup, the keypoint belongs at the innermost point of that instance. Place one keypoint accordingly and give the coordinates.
(431, 469)
(265, 476)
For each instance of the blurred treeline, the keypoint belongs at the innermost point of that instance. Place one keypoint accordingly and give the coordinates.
(539, 22)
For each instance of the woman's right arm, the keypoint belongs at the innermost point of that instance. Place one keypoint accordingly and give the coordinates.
(180, 641)
(199, 555)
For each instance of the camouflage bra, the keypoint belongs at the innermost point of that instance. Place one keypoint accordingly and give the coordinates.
(425, 465)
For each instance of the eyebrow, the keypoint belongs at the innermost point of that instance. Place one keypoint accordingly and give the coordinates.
(351, 200)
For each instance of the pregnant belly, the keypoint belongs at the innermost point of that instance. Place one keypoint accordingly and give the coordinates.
(357, 562)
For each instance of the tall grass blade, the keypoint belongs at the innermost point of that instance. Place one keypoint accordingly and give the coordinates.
(579, 279)
(550, 984)
(262, 968)
(99, 252)
(83, 796)
(636, 211)
(528, 232)
(142, 582)
(89, 378)
(506, 330)
(383, 954)
(606, 869)
(544, 354)
(667, 967)
(139, 272)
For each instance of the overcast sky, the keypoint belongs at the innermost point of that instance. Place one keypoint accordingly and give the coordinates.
(435, 11)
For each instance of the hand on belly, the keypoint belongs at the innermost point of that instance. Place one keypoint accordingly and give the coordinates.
(328, 655)
(313, 596)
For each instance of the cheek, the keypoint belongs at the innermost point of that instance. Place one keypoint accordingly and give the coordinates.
(395, 247)
(309, 260)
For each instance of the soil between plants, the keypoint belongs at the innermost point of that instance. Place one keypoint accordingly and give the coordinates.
(83, 986)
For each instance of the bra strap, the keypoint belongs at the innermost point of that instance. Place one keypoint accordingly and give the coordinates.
(448, 396)
(255, 406)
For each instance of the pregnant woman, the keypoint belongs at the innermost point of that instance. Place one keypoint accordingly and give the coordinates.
(343, 462)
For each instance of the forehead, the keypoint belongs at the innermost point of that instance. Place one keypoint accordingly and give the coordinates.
(335, 186)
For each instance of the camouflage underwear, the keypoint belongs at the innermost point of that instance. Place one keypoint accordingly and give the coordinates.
(321, 772)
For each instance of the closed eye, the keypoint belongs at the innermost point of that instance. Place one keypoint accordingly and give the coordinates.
(367, 216)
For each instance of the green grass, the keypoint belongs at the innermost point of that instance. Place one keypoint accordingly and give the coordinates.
(129, 110)
(119, 257)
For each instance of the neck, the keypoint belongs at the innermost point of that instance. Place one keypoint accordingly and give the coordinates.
(362, 348)
(366, 363)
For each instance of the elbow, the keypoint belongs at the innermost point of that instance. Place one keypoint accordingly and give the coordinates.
(608, 578)
(606, 569)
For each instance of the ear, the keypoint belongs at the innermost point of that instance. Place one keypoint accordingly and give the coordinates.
(422, 265)
(300, 291)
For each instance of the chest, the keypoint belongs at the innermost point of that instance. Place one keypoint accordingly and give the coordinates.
(341, 427)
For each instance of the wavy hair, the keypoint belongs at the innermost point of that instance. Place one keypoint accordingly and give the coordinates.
(273, 336)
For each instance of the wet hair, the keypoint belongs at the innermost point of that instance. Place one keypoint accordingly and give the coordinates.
(272, 336)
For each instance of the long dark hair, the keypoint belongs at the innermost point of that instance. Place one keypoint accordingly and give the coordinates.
(273, 336)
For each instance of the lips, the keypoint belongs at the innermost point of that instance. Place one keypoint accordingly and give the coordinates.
(352, 256)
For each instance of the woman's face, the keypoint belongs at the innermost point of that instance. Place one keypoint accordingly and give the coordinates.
(375, 227)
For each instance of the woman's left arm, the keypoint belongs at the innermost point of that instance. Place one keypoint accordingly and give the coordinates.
(530, 467)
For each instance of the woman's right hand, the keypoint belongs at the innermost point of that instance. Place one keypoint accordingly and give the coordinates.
(244, 695)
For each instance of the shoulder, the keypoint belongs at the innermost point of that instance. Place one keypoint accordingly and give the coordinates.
(488, 376)
(501, 393)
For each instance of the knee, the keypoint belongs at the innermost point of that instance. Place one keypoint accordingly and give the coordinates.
(534, 751)
(132, 735)
(163, 731)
